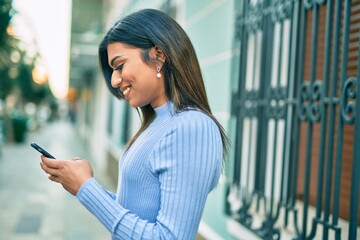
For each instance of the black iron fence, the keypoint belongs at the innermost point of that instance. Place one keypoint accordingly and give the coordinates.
(297, 140)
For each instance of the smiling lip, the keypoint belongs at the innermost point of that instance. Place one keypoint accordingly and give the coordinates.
(126, 91)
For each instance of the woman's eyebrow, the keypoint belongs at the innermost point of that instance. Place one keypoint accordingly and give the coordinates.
(113, 60)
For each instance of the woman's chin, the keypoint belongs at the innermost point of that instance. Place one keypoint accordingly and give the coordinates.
(135, 104)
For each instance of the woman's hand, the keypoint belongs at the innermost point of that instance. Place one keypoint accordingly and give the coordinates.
(71, 174)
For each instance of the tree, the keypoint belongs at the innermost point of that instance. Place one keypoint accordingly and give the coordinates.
(16, 70)
(7, 45)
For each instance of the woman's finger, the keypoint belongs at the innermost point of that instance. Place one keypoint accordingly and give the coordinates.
(54, 178)
(52, 163)
(48, 170)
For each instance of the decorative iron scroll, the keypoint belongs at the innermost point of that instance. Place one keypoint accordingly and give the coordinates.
(251, 22)
(253, 19)
(310, 97)
(238, 29)
(239, 207)
(276, 103)
(267, 230)
(308, 4)
(348, 97)
(316, 221)
(281, 10)
(251, 103)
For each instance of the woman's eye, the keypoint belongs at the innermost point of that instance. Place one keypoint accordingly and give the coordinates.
(119, 67)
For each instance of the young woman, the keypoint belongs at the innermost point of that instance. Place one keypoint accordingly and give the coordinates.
(175, 159)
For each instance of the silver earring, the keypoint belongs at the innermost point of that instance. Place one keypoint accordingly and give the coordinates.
(158, 75)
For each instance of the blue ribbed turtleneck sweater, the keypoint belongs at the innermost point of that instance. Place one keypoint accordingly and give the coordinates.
(164, 179)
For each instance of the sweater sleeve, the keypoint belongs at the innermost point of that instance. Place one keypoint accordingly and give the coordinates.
(187, 162)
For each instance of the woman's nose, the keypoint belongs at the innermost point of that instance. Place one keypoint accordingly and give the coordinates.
(116, 81)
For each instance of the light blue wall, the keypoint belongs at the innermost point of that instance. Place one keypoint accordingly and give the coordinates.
(209, 24)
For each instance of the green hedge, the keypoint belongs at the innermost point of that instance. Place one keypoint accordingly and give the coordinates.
(20, 127)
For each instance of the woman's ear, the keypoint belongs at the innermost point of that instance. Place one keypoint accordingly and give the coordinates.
(158, 54)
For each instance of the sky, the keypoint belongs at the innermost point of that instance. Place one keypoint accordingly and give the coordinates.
(46, 25)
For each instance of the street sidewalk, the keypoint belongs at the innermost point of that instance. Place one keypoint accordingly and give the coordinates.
(34, 208)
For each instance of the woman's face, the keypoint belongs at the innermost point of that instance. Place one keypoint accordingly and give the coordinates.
(136, 79)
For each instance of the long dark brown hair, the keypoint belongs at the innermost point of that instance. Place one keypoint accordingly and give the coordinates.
(184, 84)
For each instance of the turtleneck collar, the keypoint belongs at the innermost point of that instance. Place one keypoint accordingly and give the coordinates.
(166, 110)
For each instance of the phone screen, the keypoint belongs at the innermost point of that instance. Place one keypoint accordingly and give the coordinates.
(41, 150)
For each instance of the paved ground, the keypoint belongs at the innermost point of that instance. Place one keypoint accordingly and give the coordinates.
(34, 208)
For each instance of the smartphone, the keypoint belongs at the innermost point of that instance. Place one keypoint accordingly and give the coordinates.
(41, 150)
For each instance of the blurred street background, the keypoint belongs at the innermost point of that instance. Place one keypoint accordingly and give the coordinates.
(35, 38)
(33, 207)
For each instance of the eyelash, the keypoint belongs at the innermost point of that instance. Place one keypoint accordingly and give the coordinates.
(119, 67)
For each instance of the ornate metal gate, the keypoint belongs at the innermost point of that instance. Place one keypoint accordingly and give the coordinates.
(297, 141)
